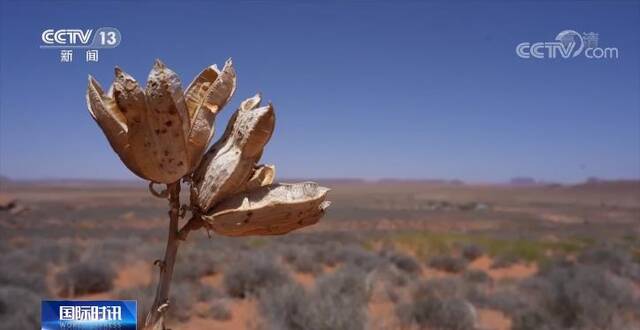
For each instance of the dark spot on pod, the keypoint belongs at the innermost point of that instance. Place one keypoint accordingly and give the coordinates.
(300, 222)
(170, 160)
(164, 130)
(166, 152)
(250, 213)
(168, 123)
(175, 135)
(157, 131)
(161, 165)
(180, 163)
(172, 111)
(123, 110)
(246, 220)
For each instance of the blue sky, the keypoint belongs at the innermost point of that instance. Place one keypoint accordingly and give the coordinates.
(361, 88)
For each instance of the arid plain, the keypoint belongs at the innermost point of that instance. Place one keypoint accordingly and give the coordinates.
(389, 254)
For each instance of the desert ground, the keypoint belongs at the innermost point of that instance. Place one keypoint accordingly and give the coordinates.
(389, 254)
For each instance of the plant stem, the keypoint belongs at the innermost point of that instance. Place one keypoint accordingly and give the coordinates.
(155, 318)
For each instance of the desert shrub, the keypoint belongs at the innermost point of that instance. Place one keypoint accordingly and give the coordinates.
(338, 302)
(251, 274)
(219, 311)
(23, 268)
(207, 293)
(144, 297)
(402, 261)
(348, 281)
(554, 262)
(440, 287)
(392, 295)
(194, 263)
(56, 252)
(508, 300)
(504, 260)
(289, 252)
(476, 276)
(438, 313)
(358, 257)
(24, 260)
(85, 277)
(19, 308)
(578, 297)
(392, 276)
(472, 252)
(447, 263)
(438, 304)
(32, 281)
(301, 258)
(328, 253)
(5, 247)
(113, 248)
(182, 298)
(286, 307)
(616, 260)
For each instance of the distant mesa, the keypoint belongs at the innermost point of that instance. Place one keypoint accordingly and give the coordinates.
(599, 183)
(455, 182)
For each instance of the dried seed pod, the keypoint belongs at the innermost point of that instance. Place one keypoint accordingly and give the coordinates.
(112, 122)
(156, 134)
(205, 97)
(270, 210)
(229, 163)
(263, 175)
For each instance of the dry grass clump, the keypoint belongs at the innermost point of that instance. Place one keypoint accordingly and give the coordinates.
(472, 252)
(402, 261)
(616, 259)
(438, 304)
(504, 261)
(143, 295)
(23, 268)
(302, 259)
(448, 263)
(476, 276)
(197, 261)
(86, 277)
(251, 274)
(577, 297)
(18, 308)
(219, 311)
(338, 302)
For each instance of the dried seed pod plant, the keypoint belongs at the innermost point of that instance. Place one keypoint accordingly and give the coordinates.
(160, 133)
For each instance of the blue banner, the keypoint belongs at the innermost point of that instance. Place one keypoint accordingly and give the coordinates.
(94, 315)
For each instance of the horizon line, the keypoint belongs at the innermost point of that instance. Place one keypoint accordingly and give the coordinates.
(516, 180)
